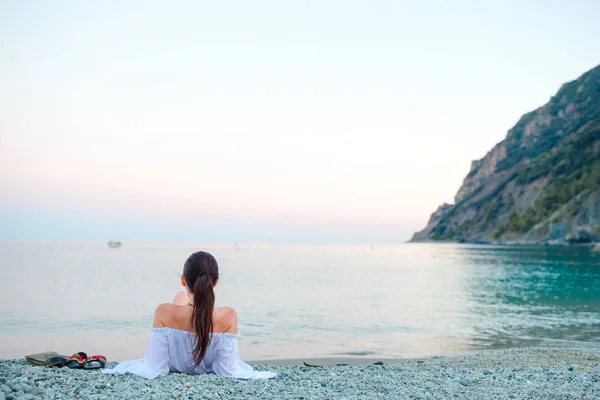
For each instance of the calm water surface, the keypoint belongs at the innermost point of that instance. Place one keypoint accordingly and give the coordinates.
(305, 301)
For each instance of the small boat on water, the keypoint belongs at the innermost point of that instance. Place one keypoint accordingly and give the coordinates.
(114, 245)
(596, 248)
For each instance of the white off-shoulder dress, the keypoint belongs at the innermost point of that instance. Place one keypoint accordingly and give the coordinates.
(170, 350)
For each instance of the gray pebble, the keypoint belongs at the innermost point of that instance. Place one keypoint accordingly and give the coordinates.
(497, 374)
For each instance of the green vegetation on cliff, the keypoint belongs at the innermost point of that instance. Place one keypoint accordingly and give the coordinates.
(542, 183)
(571, 170)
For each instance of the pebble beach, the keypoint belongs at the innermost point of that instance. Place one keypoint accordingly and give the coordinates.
(523, 373)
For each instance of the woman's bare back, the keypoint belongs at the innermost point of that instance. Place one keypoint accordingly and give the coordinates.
(177, 316)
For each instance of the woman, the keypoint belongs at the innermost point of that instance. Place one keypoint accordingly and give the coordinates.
(191, 335)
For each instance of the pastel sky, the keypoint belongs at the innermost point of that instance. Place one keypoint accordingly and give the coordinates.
(264, 121)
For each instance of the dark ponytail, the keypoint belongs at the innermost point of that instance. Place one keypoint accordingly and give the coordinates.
(201, 273)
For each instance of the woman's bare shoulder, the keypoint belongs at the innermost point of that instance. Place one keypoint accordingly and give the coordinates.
(165, 307)
(226, 320)
(163, 316)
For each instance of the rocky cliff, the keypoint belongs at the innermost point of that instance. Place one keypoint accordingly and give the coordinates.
(539, 185)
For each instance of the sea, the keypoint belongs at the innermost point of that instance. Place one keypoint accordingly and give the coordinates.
(305, 301)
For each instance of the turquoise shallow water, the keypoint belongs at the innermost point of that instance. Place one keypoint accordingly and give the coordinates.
(305, 301)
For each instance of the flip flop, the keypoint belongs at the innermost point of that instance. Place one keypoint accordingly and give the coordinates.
(95, 362)
(77, 360)
(56, 361)
(40, 359)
